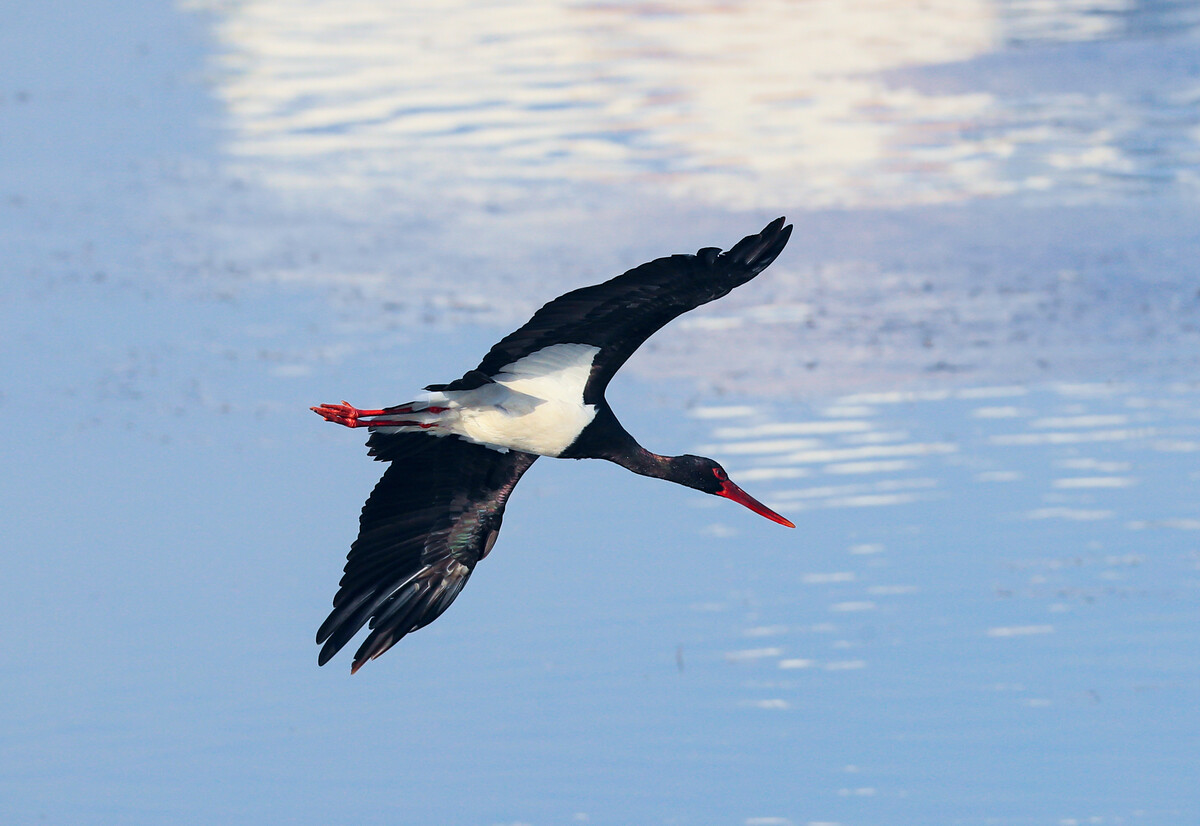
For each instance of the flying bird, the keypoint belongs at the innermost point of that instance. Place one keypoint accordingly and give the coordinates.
(457, 452)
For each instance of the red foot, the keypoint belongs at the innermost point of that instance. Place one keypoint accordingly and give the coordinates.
(349, 416)
(343, 414)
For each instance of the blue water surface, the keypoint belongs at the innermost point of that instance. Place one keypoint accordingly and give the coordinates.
(970, 380)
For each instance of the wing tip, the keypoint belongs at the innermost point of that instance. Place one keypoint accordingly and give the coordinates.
(331, 649)
(755, 253)
(324, 657)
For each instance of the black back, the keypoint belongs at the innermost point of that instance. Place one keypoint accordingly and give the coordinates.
(620, 314)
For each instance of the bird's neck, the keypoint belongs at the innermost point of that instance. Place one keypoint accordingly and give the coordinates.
(645, 463)
(605, 438)
(632, 456)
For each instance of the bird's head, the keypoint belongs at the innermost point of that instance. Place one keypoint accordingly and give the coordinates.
(704, 474)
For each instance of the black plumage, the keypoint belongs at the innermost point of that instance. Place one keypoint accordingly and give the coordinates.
(434, 514)
(620, 314)
(438, 508)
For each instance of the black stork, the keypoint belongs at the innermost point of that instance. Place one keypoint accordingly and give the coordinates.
(458, 451)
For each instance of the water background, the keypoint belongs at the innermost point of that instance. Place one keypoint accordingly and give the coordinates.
(971, 380)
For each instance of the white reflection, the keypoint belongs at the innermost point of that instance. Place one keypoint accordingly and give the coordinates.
(1177, 446)
(896, 397)
(1094, 482)
(1019, 630)
(1073, 514)
(1094, 464)
(889, 466)
(1072, 437)
(694, 96)
(853, 493)
(749, 655)
(1177, 524)
(999, 476)
(863, 791)
(871, 500)
(752, 447)
(766, 631)
(760, 474)
(796, 662)
(1007, 412)
(846, 665)
(791, 429)
(1072, 488)
(773, 704)
(875, 437)
(825, 579)
(853, 605)
(1004, 392)
(1081, 421)
(871, 452)
(734, 104)
(891, 590)
(721, 412)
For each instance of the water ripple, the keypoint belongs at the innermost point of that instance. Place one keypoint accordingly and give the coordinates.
(821, 102)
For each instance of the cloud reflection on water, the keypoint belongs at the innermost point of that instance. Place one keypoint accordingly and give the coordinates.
(1055, 525)
(834, 449)
(820, 103)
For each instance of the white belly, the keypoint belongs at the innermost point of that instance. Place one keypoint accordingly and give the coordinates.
(535, 405)
(546, 428)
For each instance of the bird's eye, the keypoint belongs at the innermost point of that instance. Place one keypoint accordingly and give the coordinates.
(719, 473)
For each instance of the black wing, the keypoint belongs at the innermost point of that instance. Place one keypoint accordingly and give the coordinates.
(620, 314)
(433, 515)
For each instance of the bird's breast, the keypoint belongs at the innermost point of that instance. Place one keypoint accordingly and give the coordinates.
(546, 427)
(535, 404)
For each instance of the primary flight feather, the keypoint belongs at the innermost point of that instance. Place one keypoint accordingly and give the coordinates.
(458, 451)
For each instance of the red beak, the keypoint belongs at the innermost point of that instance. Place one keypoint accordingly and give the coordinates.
(731, 491)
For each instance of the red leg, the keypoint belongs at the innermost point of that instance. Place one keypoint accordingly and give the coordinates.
(345, 414)
(348, 415)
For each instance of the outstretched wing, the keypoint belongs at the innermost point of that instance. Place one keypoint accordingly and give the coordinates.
(620, 314)
(433, 515)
